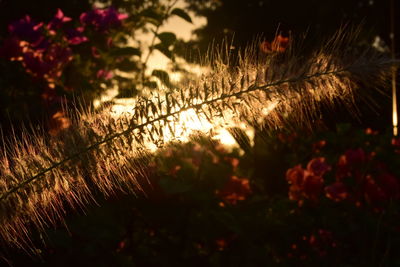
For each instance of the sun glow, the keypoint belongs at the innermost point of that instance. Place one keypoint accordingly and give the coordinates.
(187, 124)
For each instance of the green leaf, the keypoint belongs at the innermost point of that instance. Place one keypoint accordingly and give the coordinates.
(182, 14)
(163, 76)
(125, 51)
(167, 38)
(163, 49)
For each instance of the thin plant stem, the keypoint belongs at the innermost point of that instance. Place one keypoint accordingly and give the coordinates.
(153, 40)
(160, 118)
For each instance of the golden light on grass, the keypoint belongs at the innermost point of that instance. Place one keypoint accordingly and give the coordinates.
(394, 101)
(108, 152)
(190, 122)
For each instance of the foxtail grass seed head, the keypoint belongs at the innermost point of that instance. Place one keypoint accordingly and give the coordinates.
(101, 152)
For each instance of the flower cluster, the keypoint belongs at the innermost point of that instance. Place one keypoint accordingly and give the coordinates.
(235, 189)
(357, 176)
(40, 56)
(319, 243)
(102, 19)
(44, 50)
(229, 187)
(308, 183)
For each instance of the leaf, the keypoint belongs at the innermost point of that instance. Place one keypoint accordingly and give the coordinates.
(167, 38)
(127, 92)
(163, 49)
(163, 76)
(182, 14)
(151, 85)
(153, 16)
(127, 66)
(125, 51)
(175, 186)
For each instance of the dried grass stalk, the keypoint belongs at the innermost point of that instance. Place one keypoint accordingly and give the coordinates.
(40, 177)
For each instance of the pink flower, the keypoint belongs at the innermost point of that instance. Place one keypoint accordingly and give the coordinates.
(26, 29)
(104, 74)
(58, 20)
(75, 36)
(103, 19)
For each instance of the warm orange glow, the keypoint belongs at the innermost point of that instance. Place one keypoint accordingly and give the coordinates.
(189, 123)
(394, 97)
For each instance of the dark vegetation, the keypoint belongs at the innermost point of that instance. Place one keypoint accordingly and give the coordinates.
(311, 190)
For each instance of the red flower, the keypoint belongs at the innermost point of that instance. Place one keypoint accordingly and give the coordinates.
(95, 52)
(350, 163)
(396, 142)
(317, 146)
(312, 185)
(221, 244)
(337, 192)
(318, 166)
(355, 156)
(58, 122)
(295, 175)
(303, 184)
(279, 44)
(373, 192)
(236, 189)
(389, 184)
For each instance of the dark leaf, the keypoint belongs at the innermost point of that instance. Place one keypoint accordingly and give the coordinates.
(127, 66)
(151, 85)
(182, 14)
(163, 76)
(127, 93)
(175, 186)
(160, 47)
(153, 16)
(167, 38)
(125, 51)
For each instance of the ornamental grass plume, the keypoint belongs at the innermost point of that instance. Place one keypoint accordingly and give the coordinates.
(41, 177)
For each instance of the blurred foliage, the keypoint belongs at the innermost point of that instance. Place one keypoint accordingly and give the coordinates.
(209, 206)
(242, 21)
(205, 205)
(47, 61)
